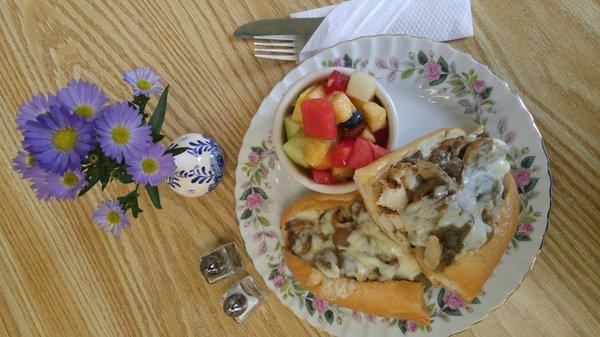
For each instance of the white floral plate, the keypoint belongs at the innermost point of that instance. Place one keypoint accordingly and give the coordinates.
(433, 85)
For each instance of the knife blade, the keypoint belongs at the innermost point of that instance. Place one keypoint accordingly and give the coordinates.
(285, 26)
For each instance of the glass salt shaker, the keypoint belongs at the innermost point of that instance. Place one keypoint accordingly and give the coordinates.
(221, 262)
(242, 299)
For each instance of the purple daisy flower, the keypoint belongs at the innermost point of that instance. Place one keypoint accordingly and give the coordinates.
(67, 185)
(83, 98)
(143, 81)
(24, 163)
(110, 216)
(35, 106)
(121, 133)
(39, 183)
(59, 139)
(151, 166)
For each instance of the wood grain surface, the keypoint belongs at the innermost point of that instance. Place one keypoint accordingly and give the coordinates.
(61, 275)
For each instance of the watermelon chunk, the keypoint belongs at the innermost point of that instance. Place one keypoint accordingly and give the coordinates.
(379, 151)
(341, 152)
(336, 82)
(322, 177)
(361, 155)
(318, 118)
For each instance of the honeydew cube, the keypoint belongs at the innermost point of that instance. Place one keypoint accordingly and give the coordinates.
(375, 116)
(361, 86)
(342, 107)
(291, 127)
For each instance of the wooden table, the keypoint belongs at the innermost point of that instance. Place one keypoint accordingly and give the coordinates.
(61, 275)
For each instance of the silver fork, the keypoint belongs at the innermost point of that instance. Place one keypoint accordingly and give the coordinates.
(279, 47)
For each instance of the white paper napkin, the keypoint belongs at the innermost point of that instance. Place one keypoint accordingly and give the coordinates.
(439, 20)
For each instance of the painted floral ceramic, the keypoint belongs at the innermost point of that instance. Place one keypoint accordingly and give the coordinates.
(433, 86)
(200, 168)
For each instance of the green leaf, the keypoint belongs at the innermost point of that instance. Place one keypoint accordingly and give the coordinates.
(452, 312)
(176, 151)
(407, 73)
(264, 221)
(246, 193)
(261, 192)
(246, 214)
(125, 178)
(440, 297)
(455, 81)
(531, 185)
(347, 60)
(402, 326)
(158, 116)
(475, 301)
(273, 274)
(443, 64)
(92, 180)
(422, 57)
(309, 306)
(465, 102)
(520, 237)
(154, 196)
(257, 149)
(527, 161)
(135, 209)
(439, 80)
(472, 80)
(487, 93)
(329, 316)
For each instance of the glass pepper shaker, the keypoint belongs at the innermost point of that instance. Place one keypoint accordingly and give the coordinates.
(242, 299)
(221, 262)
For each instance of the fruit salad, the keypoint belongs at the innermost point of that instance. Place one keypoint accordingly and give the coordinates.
(336, 126)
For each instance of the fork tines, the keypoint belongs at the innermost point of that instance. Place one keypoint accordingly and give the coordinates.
(277, 47)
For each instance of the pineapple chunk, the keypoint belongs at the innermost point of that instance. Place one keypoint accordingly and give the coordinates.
(315, 150)
(375, 116)
(342, 173)
(368, 135)
(361, 86)
(342, 107)
(297, 114)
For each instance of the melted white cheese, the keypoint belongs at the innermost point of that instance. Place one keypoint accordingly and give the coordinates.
(359, 257)
(480, 189)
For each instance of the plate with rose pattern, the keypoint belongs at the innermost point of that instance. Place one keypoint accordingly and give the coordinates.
(432, 85)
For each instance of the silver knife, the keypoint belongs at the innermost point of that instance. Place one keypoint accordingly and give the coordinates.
(286, 26)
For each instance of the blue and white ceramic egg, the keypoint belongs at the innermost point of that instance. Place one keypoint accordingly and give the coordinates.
(200, 168)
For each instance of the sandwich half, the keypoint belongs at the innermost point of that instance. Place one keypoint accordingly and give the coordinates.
(336, 251)
(450, 197)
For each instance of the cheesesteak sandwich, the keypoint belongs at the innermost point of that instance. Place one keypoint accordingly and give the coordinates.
(450, 197)
(335, 249)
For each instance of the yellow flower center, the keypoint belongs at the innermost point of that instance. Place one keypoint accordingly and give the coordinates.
(64, 139)
(149, 165)
(70, 179)
(113, 217)
(84, 110)
(93, 158)
(120, 135)
(30, 160)
(143, 84)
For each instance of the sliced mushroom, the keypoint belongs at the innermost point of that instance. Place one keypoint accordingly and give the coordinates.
(411, 159)
(340, 236)
(433, 252)
(391, 260)
(448, 150)
(297, 225)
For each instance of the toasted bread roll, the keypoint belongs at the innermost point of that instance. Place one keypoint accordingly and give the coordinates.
(450, 196)
(352, 240)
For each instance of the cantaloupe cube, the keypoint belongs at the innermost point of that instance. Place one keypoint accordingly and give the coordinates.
(375, 116)
(361, 86)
